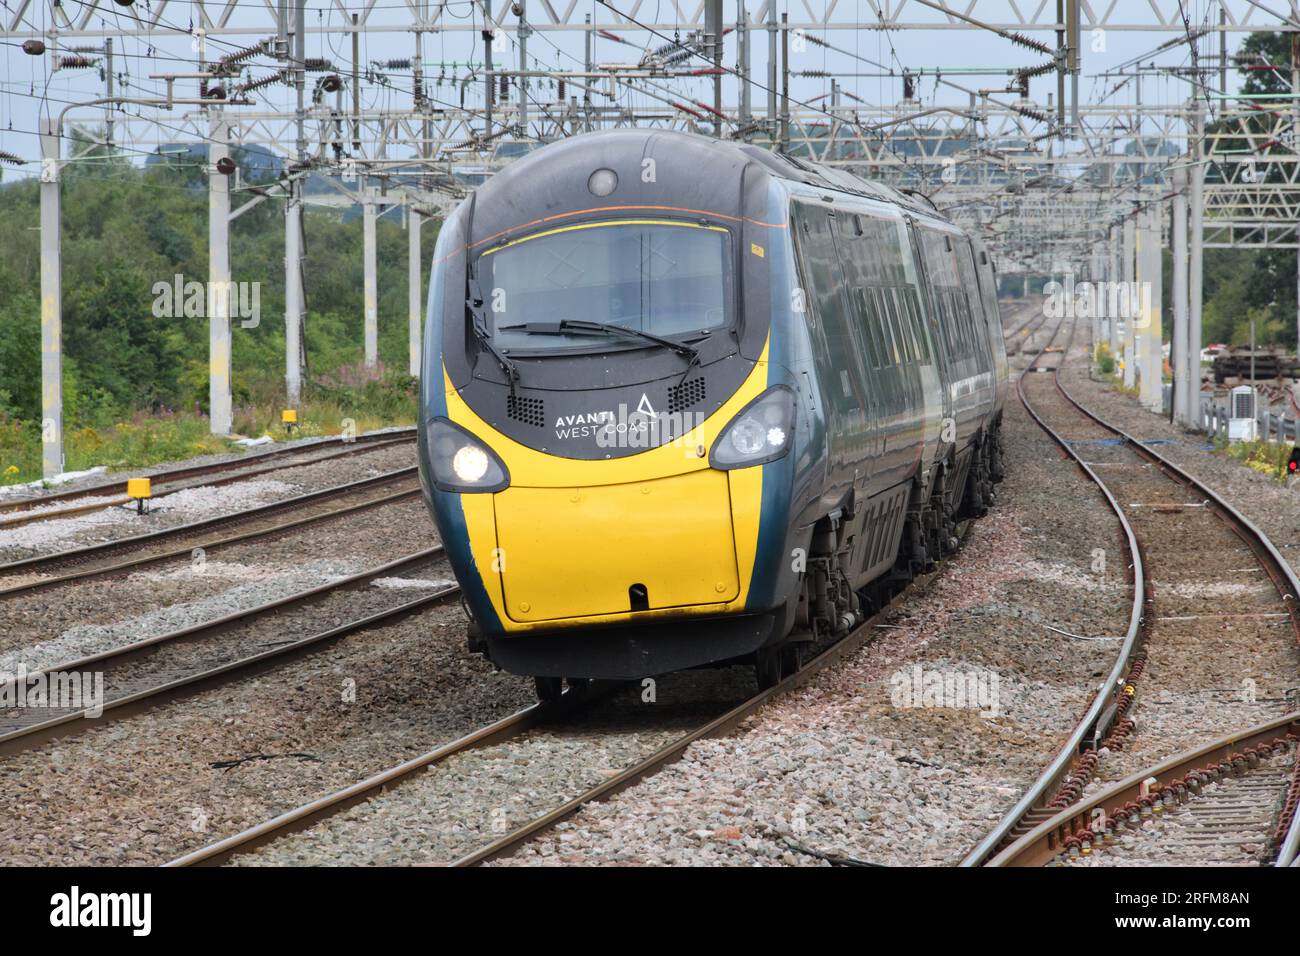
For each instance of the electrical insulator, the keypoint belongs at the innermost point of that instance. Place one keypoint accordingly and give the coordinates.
(560, 91)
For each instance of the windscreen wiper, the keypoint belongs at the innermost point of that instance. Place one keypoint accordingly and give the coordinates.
(583, 326)
(479, 324)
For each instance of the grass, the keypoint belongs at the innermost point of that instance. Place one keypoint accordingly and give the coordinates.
(352, 398)
(1268, 458)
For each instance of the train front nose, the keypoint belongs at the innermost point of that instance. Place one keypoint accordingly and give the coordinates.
(577, 552)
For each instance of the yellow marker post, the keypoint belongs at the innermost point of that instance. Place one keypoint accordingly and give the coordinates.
(141, 489)
(289, 418)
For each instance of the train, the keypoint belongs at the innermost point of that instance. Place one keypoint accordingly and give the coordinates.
(690, 402)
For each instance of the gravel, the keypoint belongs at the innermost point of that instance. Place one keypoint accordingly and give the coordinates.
(477, 796)
(162, 783)
(183, 657)
(196, 503)
(1269, 504)
(99, 613)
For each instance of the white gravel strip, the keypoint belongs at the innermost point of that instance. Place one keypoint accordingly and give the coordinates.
(190, 504)
(270, 584)
(412, 583)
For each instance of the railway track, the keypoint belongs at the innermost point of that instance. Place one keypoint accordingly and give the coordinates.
(1231, 801)
(1182, 656)
(538, 718)
(179, 663)
(113, 494)
(1018, 338)
(43, 571)
(1007, 333)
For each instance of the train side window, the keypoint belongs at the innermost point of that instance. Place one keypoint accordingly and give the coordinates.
(829, 289)
(871, 329)
(908, 347)
(903, 303)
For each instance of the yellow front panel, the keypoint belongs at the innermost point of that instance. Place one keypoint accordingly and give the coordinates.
(575, 552)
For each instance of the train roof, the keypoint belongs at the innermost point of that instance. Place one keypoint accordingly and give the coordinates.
(703, 173)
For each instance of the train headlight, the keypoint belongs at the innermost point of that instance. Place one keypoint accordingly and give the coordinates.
(460, 462)
(470, 463)
(759, 433)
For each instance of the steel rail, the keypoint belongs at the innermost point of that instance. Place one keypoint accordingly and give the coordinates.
(1011, 333)
(513, 726)
(76, 555)
(1095, 722)
(192, 471)
(25, 515)
(300, 818)
(1044, 843)
(717, 727)
(1025, 332)
(1277, 568)
(65, 725)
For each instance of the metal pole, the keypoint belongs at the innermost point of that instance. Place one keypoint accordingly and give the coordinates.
(1149, 264)
(1183, 411)
(300, 73)
(785, 82)
(293, 293)
(371, 282)
(108, 90)
(771, 66)
(713, 41)
(488, 79)
(51, 304)
(1134, 301)
(356, 85)
(1195, 256)
(414, 286)
(1223, 50)
(1116, 275)
(1074, 59)
(1062, 65)
(523, 68)
(219, 407)
(1095, 273)
(743, 65)
(589, 66)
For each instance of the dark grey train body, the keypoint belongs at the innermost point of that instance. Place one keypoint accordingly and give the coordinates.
(686, 401)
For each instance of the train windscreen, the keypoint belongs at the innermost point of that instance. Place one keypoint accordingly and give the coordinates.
(666, 278)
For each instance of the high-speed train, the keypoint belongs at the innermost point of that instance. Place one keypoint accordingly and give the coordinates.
(686, 401)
